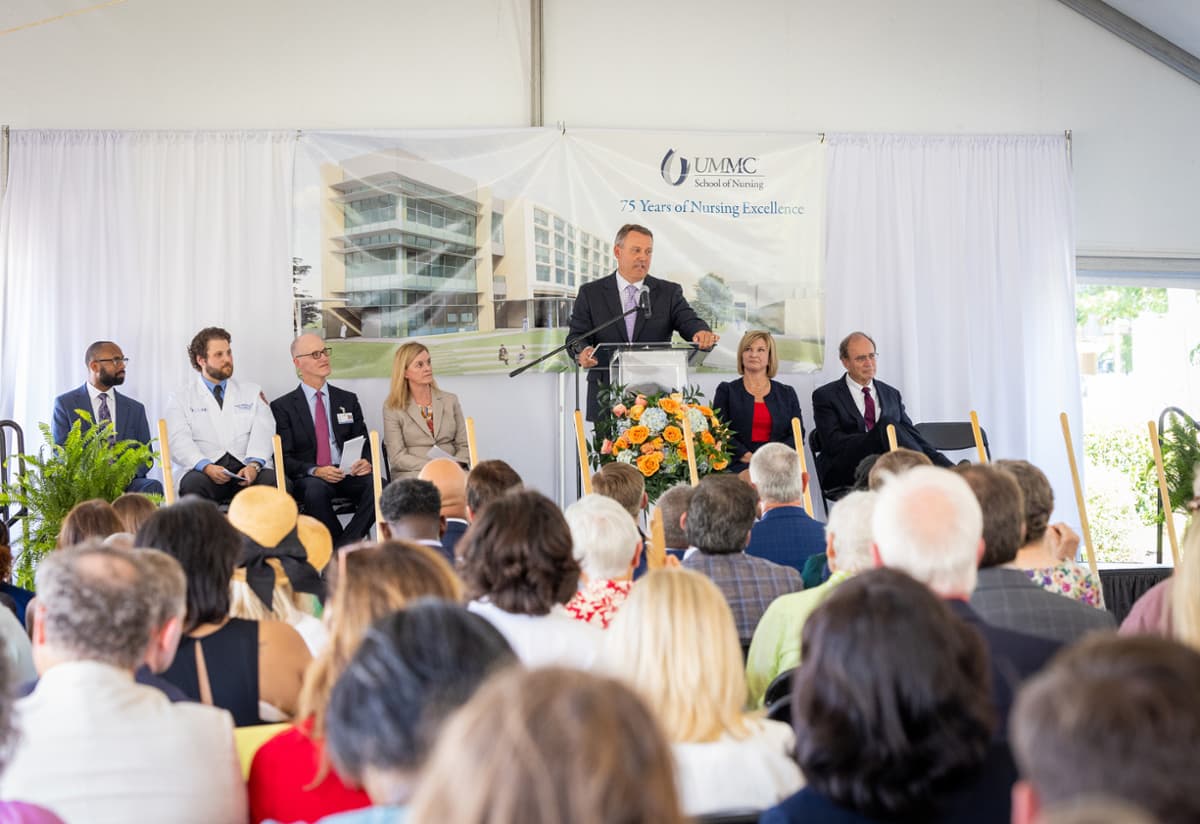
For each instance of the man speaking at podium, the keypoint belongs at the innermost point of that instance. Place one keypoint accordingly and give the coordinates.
(664, 308)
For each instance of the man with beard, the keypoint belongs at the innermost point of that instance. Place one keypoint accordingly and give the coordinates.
(98, 397)
(220, 429)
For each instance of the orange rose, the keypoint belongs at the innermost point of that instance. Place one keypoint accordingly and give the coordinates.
(708, 438)
(648, 447)
(658, 443)
(637, 434)
(672, 434)
(649, 464)
(706, 411)
(636, 412)
(621, 443)
(669, 405)
(719, 465)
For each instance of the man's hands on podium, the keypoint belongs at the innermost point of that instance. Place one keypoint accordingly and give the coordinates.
(706, 339)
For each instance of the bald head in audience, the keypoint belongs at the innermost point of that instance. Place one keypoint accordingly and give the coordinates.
(451, 483)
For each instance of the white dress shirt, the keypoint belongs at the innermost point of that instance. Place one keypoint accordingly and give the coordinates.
(94, 394)
(554, 639)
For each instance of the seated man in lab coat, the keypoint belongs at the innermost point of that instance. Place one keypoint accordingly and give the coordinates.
(219, 429)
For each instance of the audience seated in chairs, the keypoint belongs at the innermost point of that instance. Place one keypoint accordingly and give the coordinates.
(133, 508)
(776, 645)
(892, 713)
(607, 547)
(432, 656)
(895, 462)
(412, 511)
(486, 481)
(675, 643)
(20, 596)
(719, 518)
(15, 812)
(1171, 608)
(549, 746)
(928, 523)
(94, 518)
(520, 571)
(290, 778)
(1004, 596)
(1048, 552)
(246, 667)
(673, 504)
(1118, 717)
(96, 746)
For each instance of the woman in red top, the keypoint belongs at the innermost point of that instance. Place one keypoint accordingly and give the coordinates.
(290, 777)
(758, 409)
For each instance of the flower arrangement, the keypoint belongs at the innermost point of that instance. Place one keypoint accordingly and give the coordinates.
(647, 432)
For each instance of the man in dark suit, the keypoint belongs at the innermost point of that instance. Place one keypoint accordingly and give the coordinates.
(851, 416)
(928, 523)
(785, 534)
(609, 297)
(1006, 596)
(98, 397)
(311, 461)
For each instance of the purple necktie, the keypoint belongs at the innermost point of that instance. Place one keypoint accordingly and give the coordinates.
(321, 421)
(630, 301)
(106, 416)
(868, 408)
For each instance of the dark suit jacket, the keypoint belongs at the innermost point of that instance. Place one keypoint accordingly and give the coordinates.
(129, 418)
(737, 409)
(843, 434)
(599, 301)
(294, 425)
(1008, 598)
(786, 535)
(1015, 657)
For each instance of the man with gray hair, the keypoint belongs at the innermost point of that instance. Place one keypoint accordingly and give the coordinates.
(785, 534)
(718, 523)
(607, 547)
(95, 745)
(928, 523)
(776, 645)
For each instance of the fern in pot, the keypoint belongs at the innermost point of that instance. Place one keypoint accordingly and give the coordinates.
(85, 466)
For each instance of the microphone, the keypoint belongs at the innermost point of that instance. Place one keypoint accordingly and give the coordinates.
(644, 303)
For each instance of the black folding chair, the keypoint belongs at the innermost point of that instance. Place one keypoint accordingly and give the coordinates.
(779, 687)
(952, 436)
(12, 466)
(829, 495)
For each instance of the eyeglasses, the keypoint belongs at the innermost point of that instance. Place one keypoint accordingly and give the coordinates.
(317, 355)
(113, 361)
(866, 358)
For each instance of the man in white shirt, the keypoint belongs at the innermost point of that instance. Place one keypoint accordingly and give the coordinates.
(95, 745)
(851, 415)
(98, 397)
(220, 430)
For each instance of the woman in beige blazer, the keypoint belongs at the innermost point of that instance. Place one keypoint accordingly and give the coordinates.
(418, 416)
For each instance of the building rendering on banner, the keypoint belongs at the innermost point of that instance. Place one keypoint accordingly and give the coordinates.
(415, 249)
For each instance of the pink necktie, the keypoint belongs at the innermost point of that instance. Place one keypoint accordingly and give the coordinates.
(869, 408)
(321, 422)
(630, 302)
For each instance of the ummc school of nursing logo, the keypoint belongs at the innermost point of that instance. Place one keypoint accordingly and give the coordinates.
(705, 172)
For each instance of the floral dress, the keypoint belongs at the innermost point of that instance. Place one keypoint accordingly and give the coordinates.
(598, 601)
(1070, 579)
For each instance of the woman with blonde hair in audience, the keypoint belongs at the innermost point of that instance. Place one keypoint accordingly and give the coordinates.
(290, 777)
(133, 508)
(247, 667)
(549, 746)
(418, 416)
(520, 572)
(1171, 608)
(94, 518)
(675, 641)
(1048, 554)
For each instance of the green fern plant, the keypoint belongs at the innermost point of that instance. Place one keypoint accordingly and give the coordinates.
(1181, 453)
(85, 466)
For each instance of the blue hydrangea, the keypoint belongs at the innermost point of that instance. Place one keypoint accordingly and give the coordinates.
(654, 419)
(697, 420)
(623, 425)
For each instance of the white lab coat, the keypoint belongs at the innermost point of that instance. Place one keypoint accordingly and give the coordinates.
(197, 428)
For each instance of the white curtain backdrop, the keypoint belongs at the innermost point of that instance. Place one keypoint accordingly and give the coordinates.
(957, 255)
(142, 238)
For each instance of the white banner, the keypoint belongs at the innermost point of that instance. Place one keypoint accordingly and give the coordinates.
(480, 240)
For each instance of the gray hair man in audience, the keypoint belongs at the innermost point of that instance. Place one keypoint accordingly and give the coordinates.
(785, 534)
(607, 546)
(1116, 717)
(928, 523)
(95, 745)
(776, 645)
(673, 504)
(718, 523)
(412, 511)
(1005, 596)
